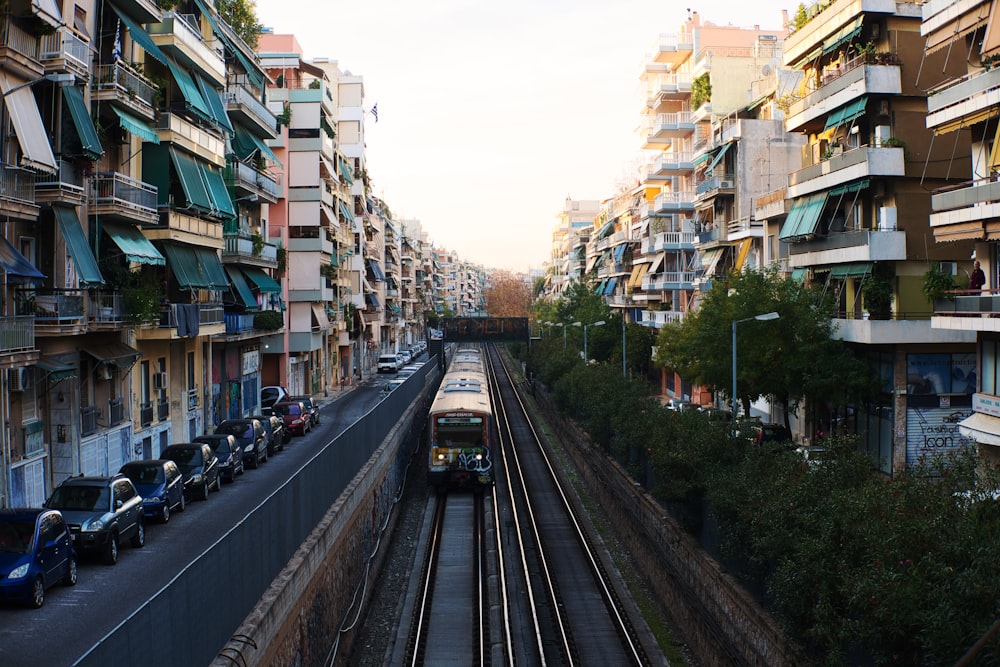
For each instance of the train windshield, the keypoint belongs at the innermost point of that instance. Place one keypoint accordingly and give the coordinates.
(460, 431)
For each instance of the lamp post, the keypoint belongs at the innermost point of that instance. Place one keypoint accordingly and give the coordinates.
(585, 327)
(763, 318)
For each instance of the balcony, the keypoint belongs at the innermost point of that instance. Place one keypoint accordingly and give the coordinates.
(850, 82)
(715, 186)
(253, 181)
(106, 310)
(179, 226)
(119, 85)
(243, 106)
(668, 241)
(119, 197)
(146, 414)
(162, 411)
(664, 127)
(17, 190)
(205, 143)
(899, 332)
(800, 45)
(658, 318)
(59, 311)
(33, 433)
(672, 48)
(176, 321)
(667, 87)
(180, 35)
(62, 51)
(850, 246)
(88, 419)
(669, 280)
(851, 165)
(673, 202)
(19, 50)
(239, 249)
(17, 337)
(65, 186)
(974, 94)
(668, 164)
(963, 210)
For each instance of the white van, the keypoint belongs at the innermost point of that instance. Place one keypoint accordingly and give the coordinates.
(387, 363)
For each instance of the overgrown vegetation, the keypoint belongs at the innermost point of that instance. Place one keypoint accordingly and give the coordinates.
(858, 569)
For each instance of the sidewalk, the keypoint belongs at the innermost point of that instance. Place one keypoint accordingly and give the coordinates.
(336, 394)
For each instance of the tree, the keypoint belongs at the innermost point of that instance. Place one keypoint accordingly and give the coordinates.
(792, 358)
(508, 295)
(241, 15)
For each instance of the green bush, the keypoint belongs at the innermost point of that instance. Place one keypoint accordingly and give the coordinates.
(268, 320)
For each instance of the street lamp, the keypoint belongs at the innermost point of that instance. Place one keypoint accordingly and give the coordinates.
(763, 318)
(585, 327)
(61, 79)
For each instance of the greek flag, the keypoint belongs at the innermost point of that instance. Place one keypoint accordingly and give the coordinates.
(116, 52)
(375, 112)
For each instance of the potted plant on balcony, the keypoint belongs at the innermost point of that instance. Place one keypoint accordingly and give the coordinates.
(878, 293)
(257, 240)
(938, 284)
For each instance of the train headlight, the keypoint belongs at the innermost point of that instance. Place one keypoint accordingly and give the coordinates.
(479, 457)
(441, 457)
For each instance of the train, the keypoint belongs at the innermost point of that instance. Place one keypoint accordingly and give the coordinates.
(460, 426)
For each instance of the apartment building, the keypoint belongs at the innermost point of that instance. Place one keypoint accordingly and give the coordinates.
(964, 114)
(858, 218)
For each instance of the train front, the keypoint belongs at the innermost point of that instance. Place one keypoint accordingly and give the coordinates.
(460, 450)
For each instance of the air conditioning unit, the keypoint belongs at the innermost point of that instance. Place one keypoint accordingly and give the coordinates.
(160, 380)
(19, 379)
(104, 372)
(726, 185)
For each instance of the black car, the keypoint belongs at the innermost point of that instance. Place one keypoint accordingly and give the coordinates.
(251, 437)
(277, 435)
(311, 406)
(772, 433)
(228, 451)
(198, 464)
(100, 511)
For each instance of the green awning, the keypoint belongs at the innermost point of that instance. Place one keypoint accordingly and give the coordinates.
(214, 101)
(346, 213)
(189, 174)
(55, 371)
(84, 124)
(246, 144)
(850, 187)
(704, 157)
(242, 289)
(136, 127)
(211, 268)
(855, 270)
(140, 36)
(137, 248)
(718, 157)
(195, 102)
(803, 217)
(606, 230)
(114, 354)
(215, 184)
(799, 275)
(77, 246)
(184, 263)
(345, 172)
(264, 282)
(600, 288)
(253, 70)
(843, 36)
(846, 113)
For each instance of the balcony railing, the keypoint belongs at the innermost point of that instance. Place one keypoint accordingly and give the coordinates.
(964, 303)
(145, 414)
(239, 323)
(18, 40)
(106, 307)
(119, 78)
(66, 184)
(88, 419)
(17, 184)
(186, 29)
(254, 180)
(116, 411)
(208, 313)
(65, 47)
(111, 188)
(34, 437)
(162, 410)
(243, 97)
(58, 305)
(17, 333)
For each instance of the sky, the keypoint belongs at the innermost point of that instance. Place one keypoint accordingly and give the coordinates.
(491, 114)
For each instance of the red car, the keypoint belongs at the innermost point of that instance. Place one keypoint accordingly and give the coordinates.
(295, 415)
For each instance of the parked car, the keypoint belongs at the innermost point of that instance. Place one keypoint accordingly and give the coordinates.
(388, 363)
(311, 406)
(392, 384)
(277, 435)
(404, 357)
(228, 451)
(250, 435)
(36, 552)
(161, 485)
(772, 433)
(270, 395)
(198, 464)
(101, 512)
(295, 415)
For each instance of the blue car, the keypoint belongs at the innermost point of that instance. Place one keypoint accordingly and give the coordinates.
(36, 552)
(161, 485)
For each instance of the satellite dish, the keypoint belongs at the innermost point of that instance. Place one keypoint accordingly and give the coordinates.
(765, 70)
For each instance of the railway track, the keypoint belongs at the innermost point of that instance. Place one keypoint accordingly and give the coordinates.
(512, 575)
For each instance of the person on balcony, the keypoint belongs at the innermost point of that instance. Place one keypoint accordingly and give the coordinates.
(977, 279)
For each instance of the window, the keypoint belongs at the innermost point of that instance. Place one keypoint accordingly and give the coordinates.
(80, 22)
(988, 362)
(190, 372)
